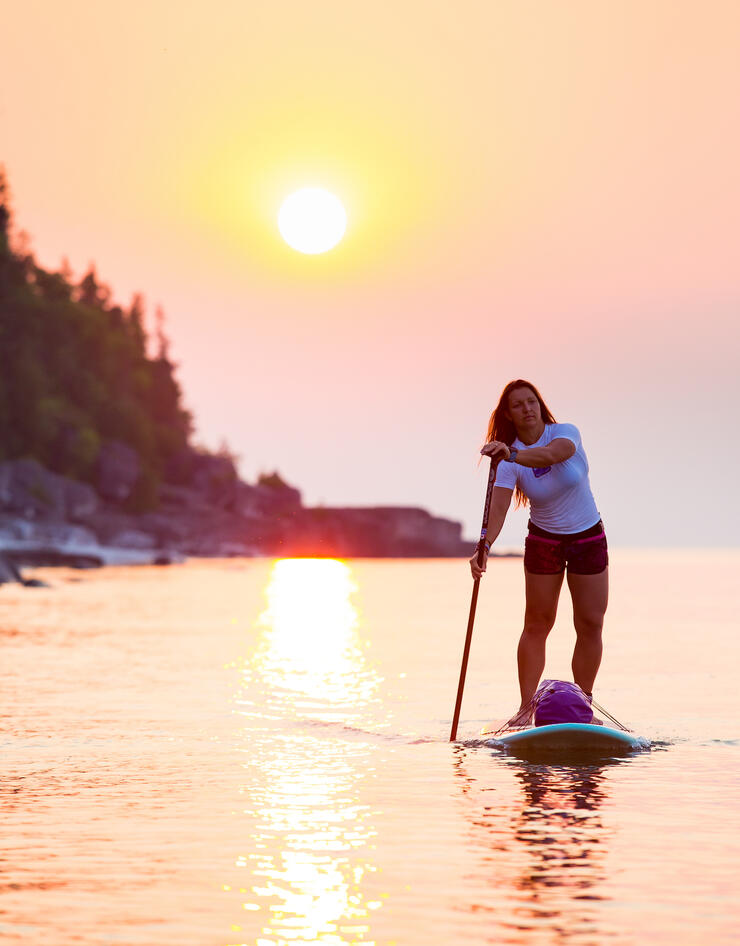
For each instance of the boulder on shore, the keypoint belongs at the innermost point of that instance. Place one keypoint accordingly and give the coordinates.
(9, 571)
(29, 490)
(118, 470)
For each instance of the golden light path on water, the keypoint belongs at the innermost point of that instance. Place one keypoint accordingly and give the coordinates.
(311, 652)
(309, 849)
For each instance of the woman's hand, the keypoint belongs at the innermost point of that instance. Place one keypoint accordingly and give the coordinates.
(495, 449)
(475, 568)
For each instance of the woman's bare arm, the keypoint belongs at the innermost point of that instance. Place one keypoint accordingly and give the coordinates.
(556, 451)
(500, 502)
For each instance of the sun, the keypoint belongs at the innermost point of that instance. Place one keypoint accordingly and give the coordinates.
(312, 220)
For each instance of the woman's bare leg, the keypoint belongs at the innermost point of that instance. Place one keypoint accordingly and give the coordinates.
(542, 605)
(590, 595)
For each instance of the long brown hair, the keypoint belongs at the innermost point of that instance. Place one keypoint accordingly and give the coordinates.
(501, 427)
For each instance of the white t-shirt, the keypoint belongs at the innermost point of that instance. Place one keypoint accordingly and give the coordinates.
(560, 495)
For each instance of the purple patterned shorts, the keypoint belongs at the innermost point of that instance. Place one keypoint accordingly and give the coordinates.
(583, 553)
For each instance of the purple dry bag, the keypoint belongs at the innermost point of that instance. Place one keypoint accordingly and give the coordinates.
(557, 701)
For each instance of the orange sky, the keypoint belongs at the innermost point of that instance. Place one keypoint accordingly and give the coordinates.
(533, 189)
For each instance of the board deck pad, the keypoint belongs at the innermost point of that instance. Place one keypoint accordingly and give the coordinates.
(563, 739)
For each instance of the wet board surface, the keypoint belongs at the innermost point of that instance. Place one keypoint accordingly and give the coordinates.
(565, 739)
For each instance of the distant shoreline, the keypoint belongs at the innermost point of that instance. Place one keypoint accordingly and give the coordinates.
(47, 519)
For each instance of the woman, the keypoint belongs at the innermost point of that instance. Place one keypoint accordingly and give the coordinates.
(544, 464)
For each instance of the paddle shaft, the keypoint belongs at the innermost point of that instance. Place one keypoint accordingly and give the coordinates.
(473, 600)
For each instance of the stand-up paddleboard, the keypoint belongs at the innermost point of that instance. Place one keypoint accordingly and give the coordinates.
(566, 739)
(564, 726)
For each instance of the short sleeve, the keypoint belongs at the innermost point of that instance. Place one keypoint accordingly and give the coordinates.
(569, 432)
(506, 475)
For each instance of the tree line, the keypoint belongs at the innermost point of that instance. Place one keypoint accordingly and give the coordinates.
(78, 369)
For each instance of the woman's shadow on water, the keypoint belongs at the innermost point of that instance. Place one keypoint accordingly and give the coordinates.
(548, 847)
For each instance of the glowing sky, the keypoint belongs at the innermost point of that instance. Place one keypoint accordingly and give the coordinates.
(536, 189)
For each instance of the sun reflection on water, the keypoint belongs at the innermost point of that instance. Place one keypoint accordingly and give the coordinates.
(310, 653)
(309, 834)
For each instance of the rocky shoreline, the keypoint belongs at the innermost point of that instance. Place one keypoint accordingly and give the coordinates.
(48, 519)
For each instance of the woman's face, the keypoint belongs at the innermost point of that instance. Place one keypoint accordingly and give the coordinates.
(524, 408)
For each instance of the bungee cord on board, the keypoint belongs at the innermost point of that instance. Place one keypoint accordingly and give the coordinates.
(526, 715)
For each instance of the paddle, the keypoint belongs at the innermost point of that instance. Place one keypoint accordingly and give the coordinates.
(474, 599)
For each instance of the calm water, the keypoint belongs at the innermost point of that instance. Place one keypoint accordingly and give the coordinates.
(256, 752)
